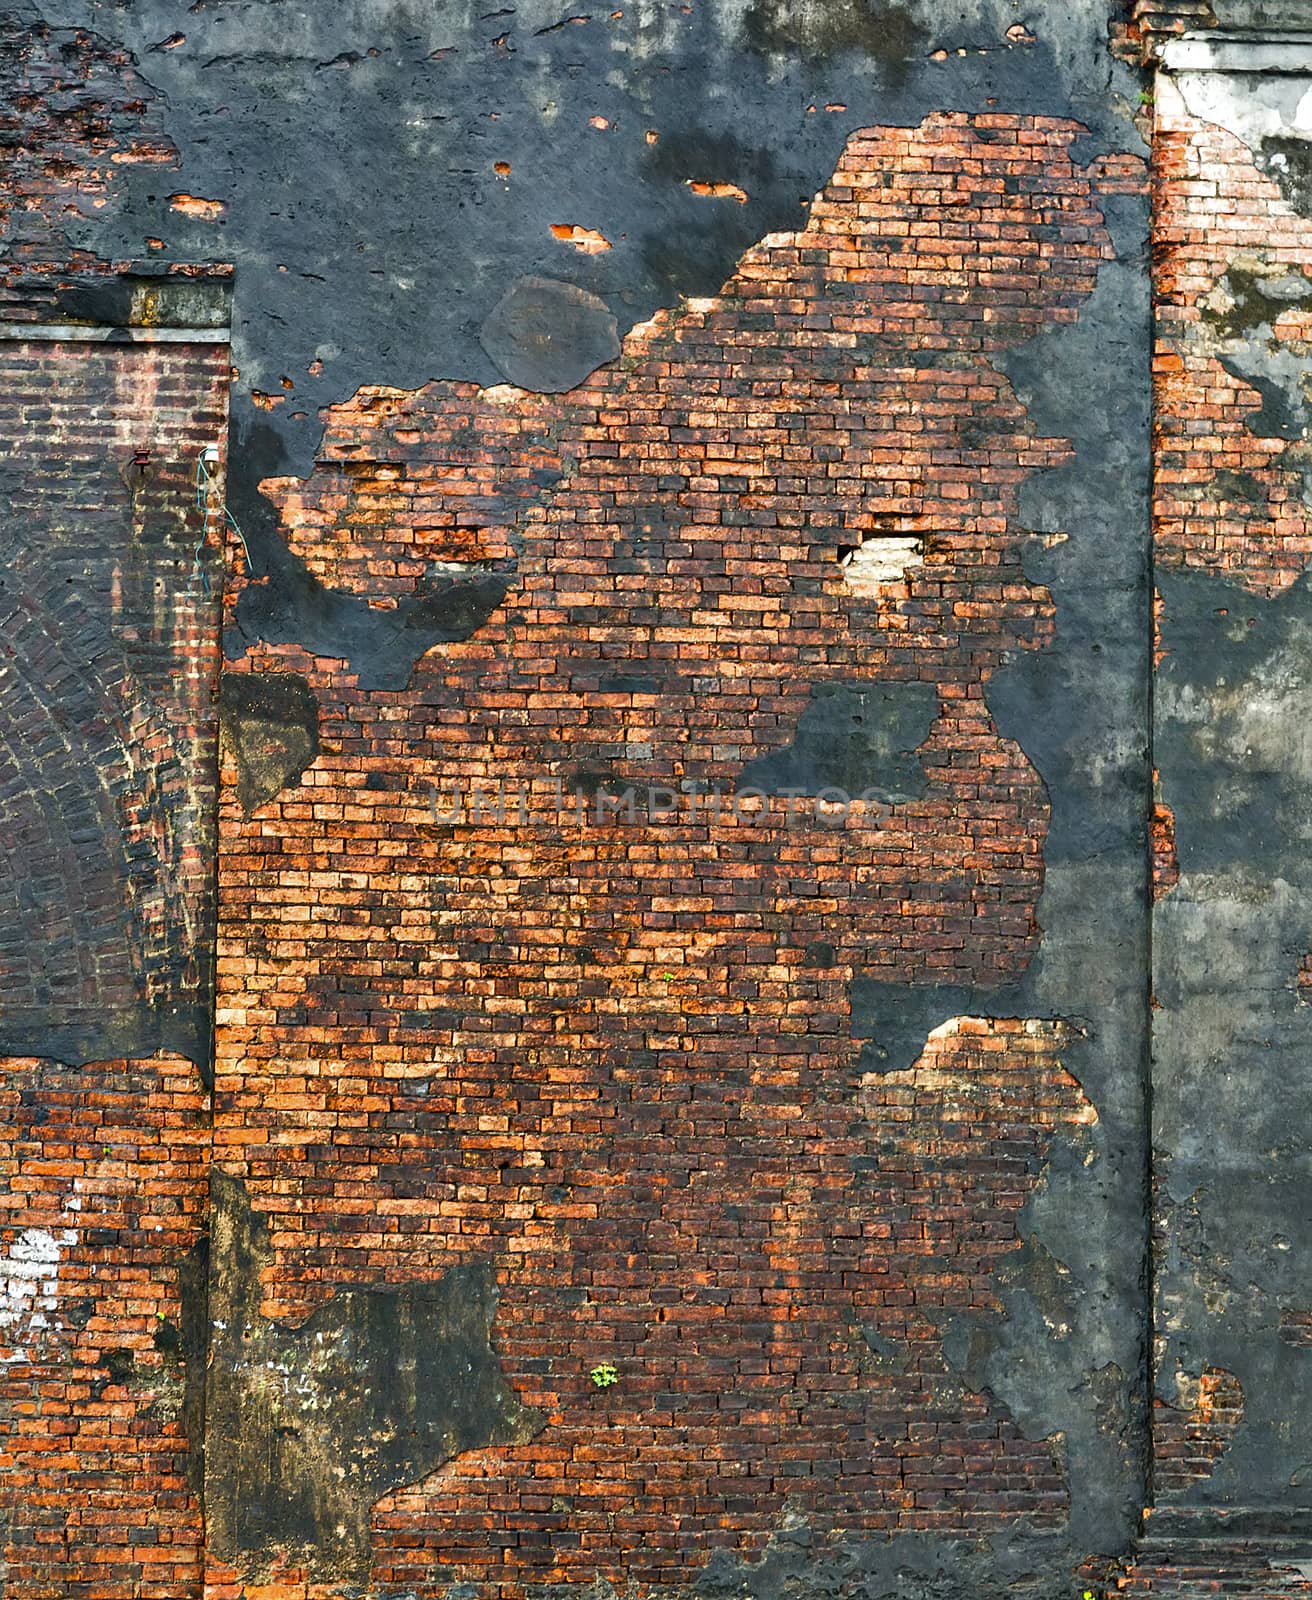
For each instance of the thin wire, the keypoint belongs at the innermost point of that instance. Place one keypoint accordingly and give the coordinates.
(202, 505)
(204, 483)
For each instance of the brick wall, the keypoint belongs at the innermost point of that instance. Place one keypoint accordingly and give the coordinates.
(1228, 489)
(107, 787)
(612, 1059)
(1231, 548)
(776, 1324)
(616, 1060)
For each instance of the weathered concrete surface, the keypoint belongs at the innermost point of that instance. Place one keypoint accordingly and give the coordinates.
(270, 723)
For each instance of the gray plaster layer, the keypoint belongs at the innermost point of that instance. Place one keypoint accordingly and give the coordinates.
(1233, 1033)
(269, 721)
(307, 1426)
(548, 336)
(1232, 1030)
(849, 735)
(1260, 16)
(1080, 712)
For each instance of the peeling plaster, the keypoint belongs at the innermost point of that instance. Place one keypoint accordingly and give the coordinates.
(1230, 1032)
(269, 722)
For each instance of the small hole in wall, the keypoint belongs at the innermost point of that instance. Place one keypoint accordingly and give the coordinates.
(588, 241)
(879, 559)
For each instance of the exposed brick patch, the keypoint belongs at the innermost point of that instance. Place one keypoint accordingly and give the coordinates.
(1296, 1328)
(1189, 1436)
(1119, 173)
(1213, 1567)
(104, 1198)
(1159, 618)
(1166, 863)
(405, 480)
(1228, 497)
(1154, 22)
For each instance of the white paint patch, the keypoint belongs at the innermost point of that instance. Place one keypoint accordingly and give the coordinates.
(29, 1283)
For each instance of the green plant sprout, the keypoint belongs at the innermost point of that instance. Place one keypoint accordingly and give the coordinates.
(604, 1375)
